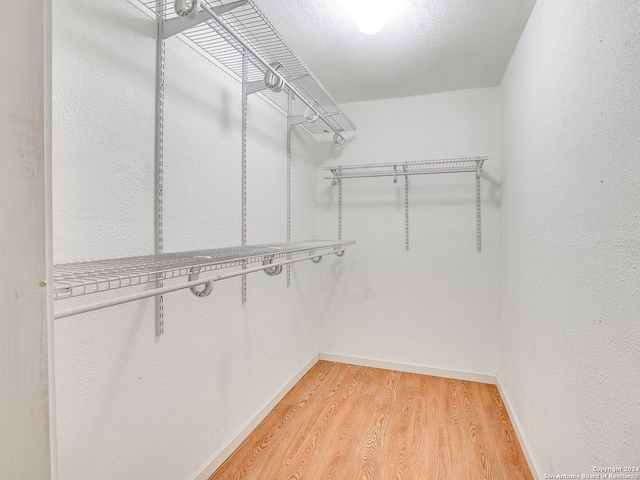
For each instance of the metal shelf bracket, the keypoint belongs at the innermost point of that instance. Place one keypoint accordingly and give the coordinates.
(298, 119)
(255, 86)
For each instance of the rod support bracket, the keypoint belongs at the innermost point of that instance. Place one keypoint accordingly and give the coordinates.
(272, 271)
(274, 81)
(192, 16)
(208, 287)
(187, 9)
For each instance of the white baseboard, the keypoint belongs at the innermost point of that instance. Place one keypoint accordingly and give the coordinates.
(222, 454)
(519, 432)
(410, 368)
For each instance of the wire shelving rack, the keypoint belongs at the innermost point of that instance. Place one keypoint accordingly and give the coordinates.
(398, 169)
(226, 31)
(407, 169)
(235, 35)
(86, 278)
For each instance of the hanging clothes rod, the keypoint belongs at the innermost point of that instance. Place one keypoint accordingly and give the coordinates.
(86, 278)
(192, 284)
(218, 19)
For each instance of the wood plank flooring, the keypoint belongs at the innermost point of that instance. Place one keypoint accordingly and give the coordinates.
(344, 422)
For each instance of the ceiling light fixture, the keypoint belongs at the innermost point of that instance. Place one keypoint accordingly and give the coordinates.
(370, 15)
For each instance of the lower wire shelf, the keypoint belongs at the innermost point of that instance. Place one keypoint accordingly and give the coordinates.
(85, 278)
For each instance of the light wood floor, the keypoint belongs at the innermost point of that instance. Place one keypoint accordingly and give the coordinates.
(344, 422)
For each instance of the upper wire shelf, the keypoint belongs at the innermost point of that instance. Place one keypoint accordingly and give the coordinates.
(251, 26)
(77, 279)
(454, 165)
(406, 169)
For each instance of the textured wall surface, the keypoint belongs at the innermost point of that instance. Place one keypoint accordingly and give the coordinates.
(570, 308)
(130, 405)
(437, 304)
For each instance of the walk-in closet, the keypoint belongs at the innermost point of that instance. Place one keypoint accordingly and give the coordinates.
(314, 240)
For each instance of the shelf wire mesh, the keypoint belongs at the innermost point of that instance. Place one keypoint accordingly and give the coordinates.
(83, 278)
(453, 165)
(254, 28)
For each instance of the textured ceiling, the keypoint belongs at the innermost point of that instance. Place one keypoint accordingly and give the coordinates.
(427, 46)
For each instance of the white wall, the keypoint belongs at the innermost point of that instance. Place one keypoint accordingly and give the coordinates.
(130, 405)
(570, 309)
(25, 428)
(437, 304)
(133, 406)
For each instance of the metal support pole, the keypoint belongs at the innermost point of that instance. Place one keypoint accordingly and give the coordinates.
(159, 161)
(478, 215)
(245, 74)
(406, 208)
(289, 114)
(339, 206)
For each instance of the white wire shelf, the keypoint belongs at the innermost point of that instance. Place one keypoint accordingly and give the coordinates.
(407, 169)
(253, 28)
(84, 278)
(454, 165)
